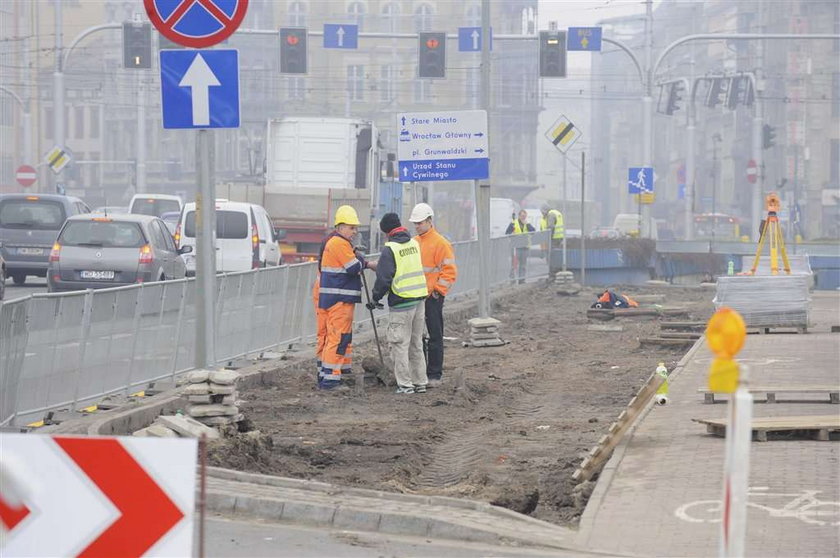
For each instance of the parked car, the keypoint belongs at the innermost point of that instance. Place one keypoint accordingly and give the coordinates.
(29, 225)
(244, 237)
(98, 251)
(154, 204)
(170, 219)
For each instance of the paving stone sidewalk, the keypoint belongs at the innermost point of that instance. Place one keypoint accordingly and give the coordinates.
(649, 500)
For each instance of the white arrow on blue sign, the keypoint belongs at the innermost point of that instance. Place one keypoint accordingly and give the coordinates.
(640, 180)
(199, 88)
(469, 39)
(341, 36)
(448, 145)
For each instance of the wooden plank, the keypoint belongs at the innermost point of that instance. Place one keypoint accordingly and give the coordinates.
(662, 342)
(680, 335)
(683, 325)
(827, 422)
(770, 391)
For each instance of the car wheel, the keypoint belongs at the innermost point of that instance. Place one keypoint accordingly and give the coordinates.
(19, 278)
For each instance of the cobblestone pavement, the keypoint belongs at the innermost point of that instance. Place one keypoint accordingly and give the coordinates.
(646, 501)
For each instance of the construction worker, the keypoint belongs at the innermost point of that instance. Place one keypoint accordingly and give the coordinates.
(320, 322)
(552, 220)
(339, 292)
(441, 272)
(518, 226)
(399, 274)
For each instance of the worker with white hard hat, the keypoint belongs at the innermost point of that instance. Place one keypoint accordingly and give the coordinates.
(441, 272)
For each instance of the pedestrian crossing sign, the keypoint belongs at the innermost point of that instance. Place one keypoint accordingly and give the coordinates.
(563, 134)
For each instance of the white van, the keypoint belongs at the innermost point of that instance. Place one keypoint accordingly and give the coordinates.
(154, 204)
(628, 224)
(244, 237)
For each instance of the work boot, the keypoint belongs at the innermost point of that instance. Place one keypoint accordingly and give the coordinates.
(419, 389)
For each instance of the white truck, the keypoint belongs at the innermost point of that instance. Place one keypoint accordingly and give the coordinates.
(312, 166)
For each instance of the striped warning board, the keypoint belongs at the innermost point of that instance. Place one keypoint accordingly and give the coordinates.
(57, 159)
(563, 134)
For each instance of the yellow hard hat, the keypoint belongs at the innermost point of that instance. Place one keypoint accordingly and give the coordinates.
(347, 215)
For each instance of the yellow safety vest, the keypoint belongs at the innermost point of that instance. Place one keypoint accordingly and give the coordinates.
(409, 279)
(518, 229)
(559, 229)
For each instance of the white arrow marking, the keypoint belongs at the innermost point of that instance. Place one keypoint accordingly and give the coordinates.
(340, 34)
(200, 78)
(475, 37)
(405, 171)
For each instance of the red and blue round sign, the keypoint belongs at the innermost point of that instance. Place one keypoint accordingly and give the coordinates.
(196, 23)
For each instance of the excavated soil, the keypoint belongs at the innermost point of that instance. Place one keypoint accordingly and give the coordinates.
(512, 433)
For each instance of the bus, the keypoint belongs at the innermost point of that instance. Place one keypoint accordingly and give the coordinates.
(718, 226)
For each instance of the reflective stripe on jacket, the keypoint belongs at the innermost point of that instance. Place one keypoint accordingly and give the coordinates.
(559, 229)
(340, 273)
(438, 261)
(409, 279)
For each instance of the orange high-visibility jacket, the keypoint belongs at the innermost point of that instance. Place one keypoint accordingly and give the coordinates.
(340, 273)
(438, 261)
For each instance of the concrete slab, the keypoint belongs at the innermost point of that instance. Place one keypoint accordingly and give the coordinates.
(188, 427)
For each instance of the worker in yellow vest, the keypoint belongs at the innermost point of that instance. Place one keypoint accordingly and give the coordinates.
(552, 220)
(400, 275)
(521, 249)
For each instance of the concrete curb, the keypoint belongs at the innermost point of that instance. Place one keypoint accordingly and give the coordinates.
(587, 519)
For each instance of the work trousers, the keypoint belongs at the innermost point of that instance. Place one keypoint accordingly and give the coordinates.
(519, 264)
(434, 325)
(320, 326)
(336, 357)
(405, 337)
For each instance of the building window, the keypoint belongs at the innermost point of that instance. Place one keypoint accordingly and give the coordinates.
(422, 91)
(7, 117)
(387, 83)
(529, 21)
(391, 16)
(79, 121)
(297, 14)
(356, 10)
(835, 96)
(356, 82)
(49, 124)
(423, 17)
(296, 87)
(93, 112)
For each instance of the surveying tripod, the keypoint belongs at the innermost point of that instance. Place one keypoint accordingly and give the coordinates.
(773, 230)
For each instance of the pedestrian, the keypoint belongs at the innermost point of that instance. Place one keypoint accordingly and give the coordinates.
(399, 274)
(522, 247)
(552, 220)
(339, 292)
(441, 273)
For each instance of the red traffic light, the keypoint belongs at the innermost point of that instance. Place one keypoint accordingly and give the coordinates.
(292, 40)
(432, 43)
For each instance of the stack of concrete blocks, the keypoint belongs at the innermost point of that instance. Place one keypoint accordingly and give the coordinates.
(177, 426)
(212, 397)
(484, 332)
(767, 300)
(565, 281)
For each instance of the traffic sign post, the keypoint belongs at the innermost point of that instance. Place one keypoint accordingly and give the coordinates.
(438, 146)
(68, 496)
(584, 38)
(196, 23)
(199, 89)
(469, 39)
(341, 36)
(26, 175)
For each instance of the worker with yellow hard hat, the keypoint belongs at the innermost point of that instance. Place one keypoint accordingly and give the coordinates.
(339, 291)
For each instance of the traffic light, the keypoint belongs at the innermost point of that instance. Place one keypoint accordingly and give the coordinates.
(552, 54)
(717, 87)
(675, 95)
(432, 55)
(293, 50)
(768, 136)
(137, 45)
(740, 92)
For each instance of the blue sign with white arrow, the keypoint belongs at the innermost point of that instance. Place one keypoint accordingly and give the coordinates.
(584, 38)
(640, 180)
(341, 36)
(469, 39)
(449, 145)
(199, 88)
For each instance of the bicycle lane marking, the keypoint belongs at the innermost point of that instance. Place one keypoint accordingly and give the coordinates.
(800, 507)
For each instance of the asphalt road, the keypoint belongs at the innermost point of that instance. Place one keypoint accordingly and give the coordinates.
(32, 285)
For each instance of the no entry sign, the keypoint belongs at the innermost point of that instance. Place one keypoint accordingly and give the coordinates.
(26, 175)
(66, 496)
(196, 23)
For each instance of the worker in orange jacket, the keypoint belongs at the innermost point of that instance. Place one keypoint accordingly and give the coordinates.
(339, 291)
(441, 272)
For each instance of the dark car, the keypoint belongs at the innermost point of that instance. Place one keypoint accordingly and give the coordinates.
(98, 251)
(29, 225)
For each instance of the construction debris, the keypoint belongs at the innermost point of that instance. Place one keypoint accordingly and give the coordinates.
(212, 394)
(484, 332)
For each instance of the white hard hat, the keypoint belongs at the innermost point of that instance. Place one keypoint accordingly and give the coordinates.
(421, 212)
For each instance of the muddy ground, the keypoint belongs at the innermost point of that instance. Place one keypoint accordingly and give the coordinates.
(512, 436)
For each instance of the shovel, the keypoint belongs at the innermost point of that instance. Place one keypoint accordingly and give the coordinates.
(373, 320)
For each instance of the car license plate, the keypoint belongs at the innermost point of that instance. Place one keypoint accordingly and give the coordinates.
(30, 251)
(99, 275)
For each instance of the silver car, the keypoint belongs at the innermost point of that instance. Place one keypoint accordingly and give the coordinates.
(96, 251)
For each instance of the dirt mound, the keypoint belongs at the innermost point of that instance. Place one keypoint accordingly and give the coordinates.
(512, 435)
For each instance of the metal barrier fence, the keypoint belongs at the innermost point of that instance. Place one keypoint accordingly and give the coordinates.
(69, 350)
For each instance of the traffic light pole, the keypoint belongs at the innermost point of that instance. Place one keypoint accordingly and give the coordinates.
(205, 256)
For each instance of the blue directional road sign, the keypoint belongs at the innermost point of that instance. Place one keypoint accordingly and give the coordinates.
(584, 38)
(341, 36)
(449, 145)
(199, 88)
(640, 180)
(469, 39)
